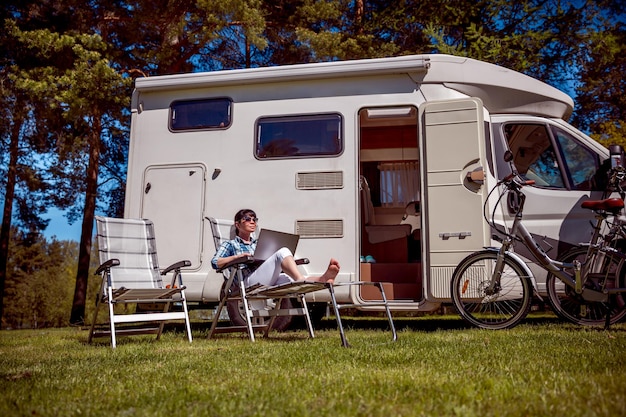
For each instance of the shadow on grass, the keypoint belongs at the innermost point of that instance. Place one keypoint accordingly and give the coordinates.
(377, 321)
(428, 322)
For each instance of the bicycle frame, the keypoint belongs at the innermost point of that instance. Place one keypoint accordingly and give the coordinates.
(492, 288)
(551, 265)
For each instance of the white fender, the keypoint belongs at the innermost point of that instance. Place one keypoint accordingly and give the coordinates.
(525, 267)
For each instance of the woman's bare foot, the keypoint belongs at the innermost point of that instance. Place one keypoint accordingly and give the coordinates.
(331, 272)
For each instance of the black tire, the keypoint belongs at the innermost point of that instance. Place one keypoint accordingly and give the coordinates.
(238, 318)
(317, 312)
(509, 303)
(570, 306)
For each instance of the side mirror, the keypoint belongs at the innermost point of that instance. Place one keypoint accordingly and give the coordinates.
(508, 157)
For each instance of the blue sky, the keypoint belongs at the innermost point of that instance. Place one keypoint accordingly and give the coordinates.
(60, 228)
(58, 225)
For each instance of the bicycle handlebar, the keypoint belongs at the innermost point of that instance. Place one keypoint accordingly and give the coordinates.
(616, 179)
(514, 182)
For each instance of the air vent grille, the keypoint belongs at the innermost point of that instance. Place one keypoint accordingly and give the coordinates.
(319, 228)
(319, 180)
(440, 281)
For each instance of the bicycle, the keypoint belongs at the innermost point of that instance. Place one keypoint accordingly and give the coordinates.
(493, 288)
(602, 261)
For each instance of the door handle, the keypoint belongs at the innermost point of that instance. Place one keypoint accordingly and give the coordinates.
(477, 176)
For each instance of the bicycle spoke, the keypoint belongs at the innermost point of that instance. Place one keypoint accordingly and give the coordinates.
(497, 306)
(609, 273)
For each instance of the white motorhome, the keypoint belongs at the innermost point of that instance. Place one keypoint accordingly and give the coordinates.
(381, 159)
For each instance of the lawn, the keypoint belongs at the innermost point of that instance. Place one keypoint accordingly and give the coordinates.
(438, 367)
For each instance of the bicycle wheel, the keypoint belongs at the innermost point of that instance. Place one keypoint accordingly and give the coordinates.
(607, 272)
(501, 308)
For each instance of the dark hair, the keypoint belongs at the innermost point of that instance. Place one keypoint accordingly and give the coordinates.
(241, 214)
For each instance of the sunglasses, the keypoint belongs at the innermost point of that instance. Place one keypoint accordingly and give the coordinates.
(249, 219)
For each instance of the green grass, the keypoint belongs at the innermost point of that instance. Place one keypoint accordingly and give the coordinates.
(438, 366)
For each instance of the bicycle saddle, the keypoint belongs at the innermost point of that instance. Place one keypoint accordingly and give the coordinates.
(612, 205)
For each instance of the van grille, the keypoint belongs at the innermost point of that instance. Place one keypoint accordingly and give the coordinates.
(319, 228)
(319, 180)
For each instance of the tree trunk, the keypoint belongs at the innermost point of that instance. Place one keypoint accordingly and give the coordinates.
(9, 194)
(84, 250)
(358, 16)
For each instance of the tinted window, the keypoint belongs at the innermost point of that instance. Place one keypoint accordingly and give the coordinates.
(200, 114)
(294, 136)
(549, 157)
(582, 163)
(533, 154)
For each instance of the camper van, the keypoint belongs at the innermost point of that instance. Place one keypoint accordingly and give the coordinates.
(384, 164)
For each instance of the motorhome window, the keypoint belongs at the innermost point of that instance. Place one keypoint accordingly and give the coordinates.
(200, 114)
(582, 163)
(299, 136)
(533, 154)
(399, 183)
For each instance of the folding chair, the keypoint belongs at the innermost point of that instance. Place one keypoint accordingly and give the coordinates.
(130, 275)
(382, 303)
(234, 290)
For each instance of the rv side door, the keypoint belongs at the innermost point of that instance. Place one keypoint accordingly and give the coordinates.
(452, 146)
(173, 198)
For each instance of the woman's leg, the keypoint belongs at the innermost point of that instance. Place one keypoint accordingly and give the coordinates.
(270, 272)
(290, 268)
(281, 268)
(331, 272)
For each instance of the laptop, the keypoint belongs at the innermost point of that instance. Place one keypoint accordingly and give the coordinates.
(270, 241)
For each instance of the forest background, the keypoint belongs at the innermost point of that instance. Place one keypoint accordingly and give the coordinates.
(67, 71)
